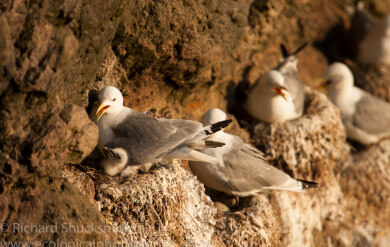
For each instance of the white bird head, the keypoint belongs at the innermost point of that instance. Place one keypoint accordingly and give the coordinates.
(338, 77)
(213, 116)
(274, 82)
(110, 101)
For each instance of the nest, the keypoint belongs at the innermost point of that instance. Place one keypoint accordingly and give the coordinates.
(168, 206)
(165, 206)
(307, 147)
(366, 185)
(256, 225)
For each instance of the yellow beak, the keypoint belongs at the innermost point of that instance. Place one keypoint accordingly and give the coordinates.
(101, 110)
(279, 90)
(321, 83)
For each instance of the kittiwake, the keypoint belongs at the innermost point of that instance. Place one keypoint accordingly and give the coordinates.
(242, 169)
(375, 47)
(362, 23)
(278, 96)
(145, 139)
(365, 117)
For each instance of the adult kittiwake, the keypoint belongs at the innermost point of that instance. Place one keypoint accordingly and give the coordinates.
(366, 118)
(278, 96)
(242, 169)
(142, 139)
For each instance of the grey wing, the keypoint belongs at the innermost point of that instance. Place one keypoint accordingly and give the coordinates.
(294, 86)
(143, 128)
(247, 169)
(191, 129)
(147, 153)
(372, 115)
(147, 139)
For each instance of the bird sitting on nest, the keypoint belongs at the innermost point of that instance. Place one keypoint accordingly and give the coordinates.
(369, 40)
(366, 118)
(278, 96)
(128, 138)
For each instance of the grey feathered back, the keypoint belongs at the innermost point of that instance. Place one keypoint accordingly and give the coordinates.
(244, 170)
(361, 24)
(248, 170)
(288, 68)
(142, 130)
(372, 115)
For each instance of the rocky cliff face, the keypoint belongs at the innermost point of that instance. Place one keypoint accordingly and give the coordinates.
(181, 57)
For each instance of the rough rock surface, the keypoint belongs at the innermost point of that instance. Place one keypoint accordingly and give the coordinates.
(316, 140)
(316, 143)
(49, 51)
(254, 225)
(365, 181)
(178, 57)
(164, 206)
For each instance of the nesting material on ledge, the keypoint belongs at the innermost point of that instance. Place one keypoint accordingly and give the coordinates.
(299, 215)
(365, 181)
(256, 225)
(166, 206)
(308, 146)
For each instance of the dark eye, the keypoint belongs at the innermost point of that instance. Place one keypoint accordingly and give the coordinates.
(114, 99)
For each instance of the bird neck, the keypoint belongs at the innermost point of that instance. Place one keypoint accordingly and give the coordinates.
(217, 136)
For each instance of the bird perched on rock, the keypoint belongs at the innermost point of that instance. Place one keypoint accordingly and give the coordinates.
(241, 170)
(361, 24)
(278, 96)
(365, 117)
(375, 47)
(131, 138)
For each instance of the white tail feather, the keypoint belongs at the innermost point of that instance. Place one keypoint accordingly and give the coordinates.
(190, 154)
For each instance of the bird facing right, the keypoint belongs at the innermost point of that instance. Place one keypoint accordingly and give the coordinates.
(242, 169)
(365, 117)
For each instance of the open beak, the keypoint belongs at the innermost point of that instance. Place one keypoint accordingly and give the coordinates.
(101, 110)
(281, 91)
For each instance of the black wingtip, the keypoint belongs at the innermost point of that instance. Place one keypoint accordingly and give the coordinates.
(108, 152)
(300, 48)
(214, 144)
(218, 126)
(284, 51)
(308, 184)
